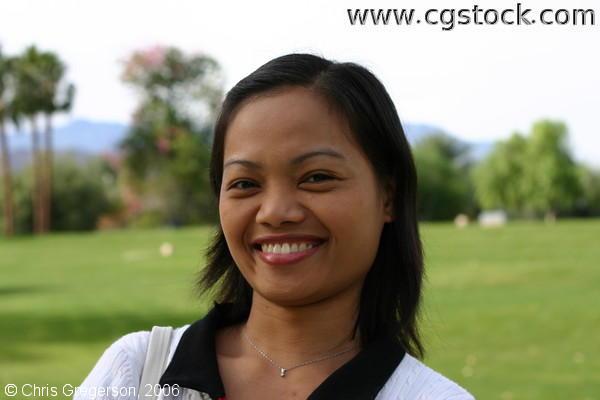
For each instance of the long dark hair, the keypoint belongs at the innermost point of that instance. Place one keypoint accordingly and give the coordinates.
(391, 294)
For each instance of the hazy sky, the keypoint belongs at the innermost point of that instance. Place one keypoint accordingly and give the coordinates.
(477, 82)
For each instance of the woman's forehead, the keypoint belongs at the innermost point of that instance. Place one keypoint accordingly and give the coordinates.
(294, 118)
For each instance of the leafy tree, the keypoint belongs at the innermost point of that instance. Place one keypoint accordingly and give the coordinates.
(28, 102)
(40, 90)
(167, 146)
(552, 181)
(530, 176)
(588, 203)
(57, 97)
(81, 195)
(444, 187)
(7, 183)
(189, 85)
(22, 205)
(499, 178)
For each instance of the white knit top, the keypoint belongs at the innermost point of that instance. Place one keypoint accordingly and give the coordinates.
(117, 374)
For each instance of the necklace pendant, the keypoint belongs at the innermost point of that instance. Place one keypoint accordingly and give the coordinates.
(282, 372)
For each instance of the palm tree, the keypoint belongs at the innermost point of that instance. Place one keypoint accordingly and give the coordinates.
(57, 97)
(9, 216)
(28, 101)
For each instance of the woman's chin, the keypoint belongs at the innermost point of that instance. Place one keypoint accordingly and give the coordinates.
(288, 297)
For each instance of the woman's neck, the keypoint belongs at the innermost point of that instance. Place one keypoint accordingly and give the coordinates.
(295, 334)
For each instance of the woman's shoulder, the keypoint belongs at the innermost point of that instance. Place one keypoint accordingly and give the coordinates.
(120, 366)
(133, 346)
(412, 379)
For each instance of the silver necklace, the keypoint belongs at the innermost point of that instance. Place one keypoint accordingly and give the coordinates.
(283, 370)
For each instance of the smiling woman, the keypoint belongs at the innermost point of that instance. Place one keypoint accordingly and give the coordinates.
(317, 260)
(303, 182)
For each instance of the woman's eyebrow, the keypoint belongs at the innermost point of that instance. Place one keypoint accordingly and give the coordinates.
(297, 160)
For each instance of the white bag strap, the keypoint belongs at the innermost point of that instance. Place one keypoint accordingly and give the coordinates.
(156, 361)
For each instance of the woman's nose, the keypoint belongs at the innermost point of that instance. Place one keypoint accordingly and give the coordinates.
(280, 206)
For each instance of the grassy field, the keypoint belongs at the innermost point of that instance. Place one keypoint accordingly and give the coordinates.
(509, 313)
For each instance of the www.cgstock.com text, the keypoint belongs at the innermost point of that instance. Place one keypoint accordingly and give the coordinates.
(449, 18)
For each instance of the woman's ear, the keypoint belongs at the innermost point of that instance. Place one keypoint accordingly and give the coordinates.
(389, 190)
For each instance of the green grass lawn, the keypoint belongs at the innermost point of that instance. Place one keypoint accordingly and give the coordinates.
(509, 313)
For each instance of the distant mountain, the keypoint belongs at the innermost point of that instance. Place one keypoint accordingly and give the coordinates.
(80, 135)
(481, 149)
(89, 138)
(21, 157)
(415, 132)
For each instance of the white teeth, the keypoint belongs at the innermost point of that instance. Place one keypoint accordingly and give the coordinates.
(285, 248)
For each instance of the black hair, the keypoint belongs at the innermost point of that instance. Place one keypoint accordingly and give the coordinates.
(391, 294)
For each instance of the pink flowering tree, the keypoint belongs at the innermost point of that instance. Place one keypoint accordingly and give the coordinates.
(167, 146)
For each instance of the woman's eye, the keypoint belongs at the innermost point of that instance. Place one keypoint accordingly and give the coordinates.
(242, 185)
(314, 178)
(319, 177)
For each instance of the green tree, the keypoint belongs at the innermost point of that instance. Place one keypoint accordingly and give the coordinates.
(7, 183)
(167, 146)
(444, 187)
(589, 202)
(190, 85)
(530, 175)
(82, 193)
(551, 177)
(41, 90)
(57, 97)
(499, 178)
(28, 102)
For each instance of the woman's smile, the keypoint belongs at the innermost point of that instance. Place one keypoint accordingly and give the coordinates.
(287, 249)
(287, 253)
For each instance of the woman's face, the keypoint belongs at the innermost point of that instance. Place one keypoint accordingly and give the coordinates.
(300, 205)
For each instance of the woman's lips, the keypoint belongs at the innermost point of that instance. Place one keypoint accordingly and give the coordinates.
(289, 258)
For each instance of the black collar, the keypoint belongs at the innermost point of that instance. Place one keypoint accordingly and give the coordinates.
(194, 364)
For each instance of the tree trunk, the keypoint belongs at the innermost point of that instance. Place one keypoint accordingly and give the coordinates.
(48, 173)
(37, 177)
(9, 216)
